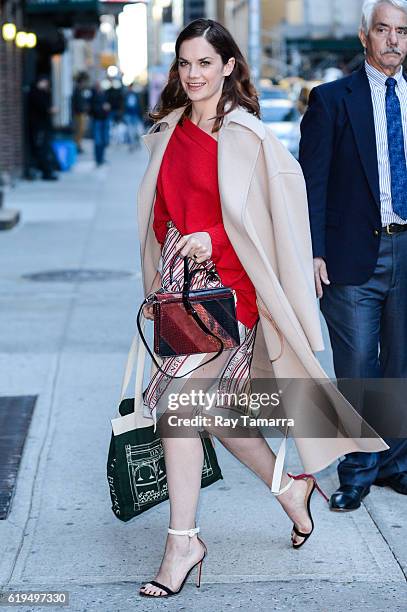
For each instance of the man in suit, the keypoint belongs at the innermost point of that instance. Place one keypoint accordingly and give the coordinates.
(353, 155)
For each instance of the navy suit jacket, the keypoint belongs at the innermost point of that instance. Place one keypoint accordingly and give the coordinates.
(339, 159)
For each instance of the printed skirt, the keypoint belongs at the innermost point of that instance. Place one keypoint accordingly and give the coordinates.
(227, 376)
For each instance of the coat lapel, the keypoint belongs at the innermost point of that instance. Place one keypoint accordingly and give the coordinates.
(235, 172)
(360, 109)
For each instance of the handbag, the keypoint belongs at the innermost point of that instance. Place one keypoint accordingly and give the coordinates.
(135, 466)
(190, 322)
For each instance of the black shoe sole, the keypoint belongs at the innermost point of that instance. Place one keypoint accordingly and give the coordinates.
(344, 509)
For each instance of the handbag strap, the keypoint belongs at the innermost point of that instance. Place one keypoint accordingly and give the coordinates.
(191, 310)
(210, 272)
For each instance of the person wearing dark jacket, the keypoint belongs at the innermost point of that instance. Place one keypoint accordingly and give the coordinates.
(132, 117)
(40, 111)
(99, 110)
(353, 155)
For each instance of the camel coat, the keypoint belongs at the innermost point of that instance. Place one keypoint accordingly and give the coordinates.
(265, 214)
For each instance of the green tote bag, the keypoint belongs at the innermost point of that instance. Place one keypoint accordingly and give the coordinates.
(135, 467)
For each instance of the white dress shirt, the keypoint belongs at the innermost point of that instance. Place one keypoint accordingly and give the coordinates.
(377, 81)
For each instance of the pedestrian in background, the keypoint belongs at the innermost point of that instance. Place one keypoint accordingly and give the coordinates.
(353, 154)
(132, 117)
(40, 112)
(81, 99)
(99, 111)
(115, 97)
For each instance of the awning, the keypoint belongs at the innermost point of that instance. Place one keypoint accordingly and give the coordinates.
(325, 44)
(61, 6)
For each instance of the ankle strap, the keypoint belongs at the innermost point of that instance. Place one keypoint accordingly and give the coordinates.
(284, 489)
(189, 532)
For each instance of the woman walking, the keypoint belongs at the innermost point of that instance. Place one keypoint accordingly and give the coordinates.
(220, 188)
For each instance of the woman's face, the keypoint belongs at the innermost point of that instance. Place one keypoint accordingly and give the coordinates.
(201, 69)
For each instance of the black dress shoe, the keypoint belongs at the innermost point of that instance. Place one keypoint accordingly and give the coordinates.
(398, 482)
(347, 498)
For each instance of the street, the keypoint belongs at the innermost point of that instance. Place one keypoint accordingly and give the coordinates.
(65, 338)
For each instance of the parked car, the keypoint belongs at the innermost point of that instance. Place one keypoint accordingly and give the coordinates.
(273, 93)
(283, 117)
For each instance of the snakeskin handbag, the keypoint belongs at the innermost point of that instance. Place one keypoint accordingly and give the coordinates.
(190, 322)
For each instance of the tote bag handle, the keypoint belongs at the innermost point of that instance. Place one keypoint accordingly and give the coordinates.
(136, 419)
(136, 356)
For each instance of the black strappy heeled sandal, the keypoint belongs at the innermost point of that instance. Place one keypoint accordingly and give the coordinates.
(314, 486)
(168, 591)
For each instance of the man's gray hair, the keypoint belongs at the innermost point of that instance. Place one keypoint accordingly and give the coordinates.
(370, 6)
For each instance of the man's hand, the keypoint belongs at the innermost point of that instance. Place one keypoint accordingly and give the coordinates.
(320, 275)
(198, 246)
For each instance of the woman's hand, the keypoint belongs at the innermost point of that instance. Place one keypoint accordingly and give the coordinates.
(148, 308)
(148, 312)
(198, 246)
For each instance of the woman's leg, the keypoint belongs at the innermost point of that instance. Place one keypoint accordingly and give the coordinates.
(183, 461)
(256, 454)
(253, 451)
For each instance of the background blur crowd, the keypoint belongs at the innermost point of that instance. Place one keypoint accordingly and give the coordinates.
(103, 113)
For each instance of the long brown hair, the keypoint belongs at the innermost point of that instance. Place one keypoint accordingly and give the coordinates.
(237, 87)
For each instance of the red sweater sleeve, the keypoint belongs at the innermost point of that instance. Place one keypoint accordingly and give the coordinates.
(161, 217)
(219, 239)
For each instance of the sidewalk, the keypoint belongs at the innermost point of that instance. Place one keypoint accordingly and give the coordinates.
(66, 342)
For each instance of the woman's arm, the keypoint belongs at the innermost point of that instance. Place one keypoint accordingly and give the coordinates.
(219, 240)
(161, 217)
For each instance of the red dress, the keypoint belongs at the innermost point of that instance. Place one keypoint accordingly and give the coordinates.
(187, 194)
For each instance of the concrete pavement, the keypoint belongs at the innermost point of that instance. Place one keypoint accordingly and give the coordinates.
(66, 341)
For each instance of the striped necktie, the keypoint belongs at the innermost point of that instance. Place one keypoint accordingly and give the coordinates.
(397, 155)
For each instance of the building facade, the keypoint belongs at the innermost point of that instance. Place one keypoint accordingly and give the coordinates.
(297, 35)
(324, 32)
(11, 104)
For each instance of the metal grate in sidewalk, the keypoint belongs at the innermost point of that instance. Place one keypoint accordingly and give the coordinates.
(15, 418)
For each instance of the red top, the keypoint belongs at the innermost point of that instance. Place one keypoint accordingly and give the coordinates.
(187, 194)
